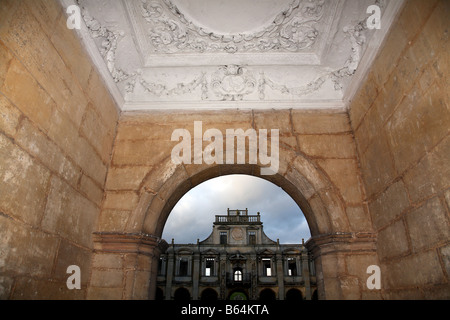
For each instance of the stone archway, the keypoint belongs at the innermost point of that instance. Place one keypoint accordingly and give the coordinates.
(209, 295)
(294, 295)
(334, 237)
(308, 186)
(267, 295)
(182, 294)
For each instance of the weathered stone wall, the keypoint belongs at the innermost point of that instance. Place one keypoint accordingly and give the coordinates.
(57, 126)
(401, 122)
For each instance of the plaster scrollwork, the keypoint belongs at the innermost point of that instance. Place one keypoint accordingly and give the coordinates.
(357, 39)
(108, 47)
(159, 89)
(293, 29)
(233, 82)
(357, 36)
(299, 91)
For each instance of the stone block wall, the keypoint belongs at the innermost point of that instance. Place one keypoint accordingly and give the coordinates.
(143, 143)
(401, 122)
(57, 126)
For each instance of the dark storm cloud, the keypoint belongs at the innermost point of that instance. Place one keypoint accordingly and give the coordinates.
(193, 216)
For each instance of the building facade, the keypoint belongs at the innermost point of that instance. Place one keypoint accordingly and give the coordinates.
(238, 261)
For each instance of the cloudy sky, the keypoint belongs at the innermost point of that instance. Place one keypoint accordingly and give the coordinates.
(193, 216)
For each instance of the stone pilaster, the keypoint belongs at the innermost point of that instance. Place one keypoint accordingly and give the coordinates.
(169, 275)
(338, 276)
(125, 265)
(280, 276)
(196, 276)
(306, 274)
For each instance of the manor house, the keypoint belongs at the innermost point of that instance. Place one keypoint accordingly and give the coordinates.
(238, 261)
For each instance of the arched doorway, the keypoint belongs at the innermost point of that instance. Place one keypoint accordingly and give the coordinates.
(209, 295)
(267, 295)
(294, 295)
(182, 294)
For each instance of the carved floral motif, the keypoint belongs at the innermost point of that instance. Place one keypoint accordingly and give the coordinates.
(232, 82)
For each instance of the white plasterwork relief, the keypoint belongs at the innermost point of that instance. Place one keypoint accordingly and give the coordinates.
(292, 30)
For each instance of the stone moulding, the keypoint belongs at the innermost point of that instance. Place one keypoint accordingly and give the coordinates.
(234, 83)
(116, 242)
(364, 242)
(292, 30)
(159, 89)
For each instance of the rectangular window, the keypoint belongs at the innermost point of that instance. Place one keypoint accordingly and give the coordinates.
(251, 237)
(160, 266)
(209, 269)
(183, 272)
(223, 237)
(267, 269)
(292, 267)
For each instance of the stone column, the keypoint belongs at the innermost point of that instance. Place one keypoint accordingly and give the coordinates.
(254, 278)
(280, 276)
(196, 275)
(125, 266)
(306, 274)
(223, 274)
(341, 260)
(170, 273)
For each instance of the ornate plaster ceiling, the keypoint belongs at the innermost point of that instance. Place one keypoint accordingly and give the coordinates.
(212, 54)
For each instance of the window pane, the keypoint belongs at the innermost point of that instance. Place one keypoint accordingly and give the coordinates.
(209, 268)
(292, 266)
(223, 238)
(267, 267)
(251, 238)
(183, 268)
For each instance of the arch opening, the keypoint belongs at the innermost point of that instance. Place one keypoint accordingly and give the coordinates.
(308, 186)
(294, 295)
(182, 294)
(294, 184)
(267, 295)
(209, 294)
(193, 215)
